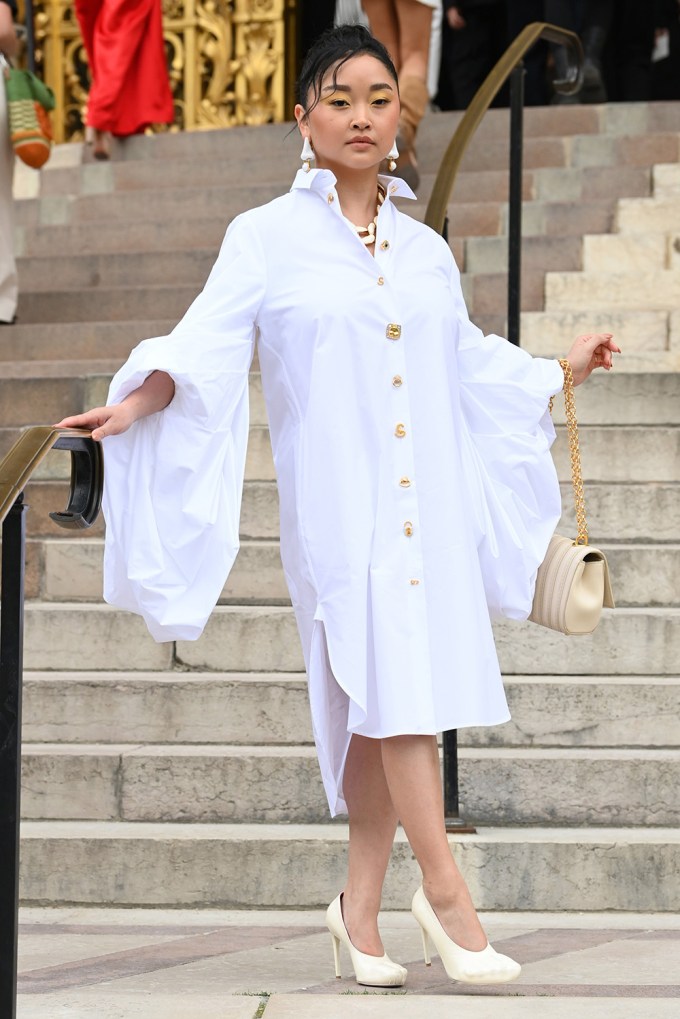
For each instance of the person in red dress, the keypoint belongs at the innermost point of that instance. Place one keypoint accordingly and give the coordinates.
(129, 78)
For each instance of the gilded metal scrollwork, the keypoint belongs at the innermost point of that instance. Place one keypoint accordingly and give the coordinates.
(226, 61)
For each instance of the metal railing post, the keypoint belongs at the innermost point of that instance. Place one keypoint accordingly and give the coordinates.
(11, 664)
(454, 822)
(515, 202)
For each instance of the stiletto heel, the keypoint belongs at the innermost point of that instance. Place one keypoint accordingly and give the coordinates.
(336, 955)
(426, 947)
(372, 970)
(484, 967)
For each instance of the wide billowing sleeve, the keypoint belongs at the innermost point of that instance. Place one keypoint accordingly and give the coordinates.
(513, 484)
(173, 481)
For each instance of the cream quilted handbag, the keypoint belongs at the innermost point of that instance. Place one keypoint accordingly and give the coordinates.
(572, 584)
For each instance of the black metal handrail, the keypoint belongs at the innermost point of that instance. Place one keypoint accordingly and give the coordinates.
(510, 65)
(85, 495)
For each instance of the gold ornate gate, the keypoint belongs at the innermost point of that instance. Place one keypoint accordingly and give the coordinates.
(227, 61)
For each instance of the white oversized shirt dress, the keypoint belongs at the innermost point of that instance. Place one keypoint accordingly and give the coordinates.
(417, 492)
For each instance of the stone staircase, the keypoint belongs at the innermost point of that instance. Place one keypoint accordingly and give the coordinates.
(185, 774)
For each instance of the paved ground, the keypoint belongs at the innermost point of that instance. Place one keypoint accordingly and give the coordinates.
(160, 964)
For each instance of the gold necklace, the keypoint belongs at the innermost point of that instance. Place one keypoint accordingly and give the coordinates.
(367, 233)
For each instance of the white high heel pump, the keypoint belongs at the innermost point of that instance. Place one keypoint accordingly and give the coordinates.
(371, 970)
(484, 967)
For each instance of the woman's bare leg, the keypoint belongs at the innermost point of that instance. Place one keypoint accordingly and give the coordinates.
(372, 825)
(412, 771)
(382, 18)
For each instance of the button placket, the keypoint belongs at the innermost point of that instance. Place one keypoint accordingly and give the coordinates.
(405, 497)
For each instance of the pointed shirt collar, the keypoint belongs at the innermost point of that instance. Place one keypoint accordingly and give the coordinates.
(323, 180)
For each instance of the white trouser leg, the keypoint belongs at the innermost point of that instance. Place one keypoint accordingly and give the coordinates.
(8, 270)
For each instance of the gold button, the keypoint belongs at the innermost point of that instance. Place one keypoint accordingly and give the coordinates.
(393, 189)
(397, 381)
(414, 582)
(408, 528)
(400, 431)
(331, 199)
(405, 482)
(385, 245)
(393, 331)
(381, 280)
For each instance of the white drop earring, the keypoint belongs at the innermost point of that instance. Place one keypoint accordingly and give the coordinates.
(307, 155)
(393, 156)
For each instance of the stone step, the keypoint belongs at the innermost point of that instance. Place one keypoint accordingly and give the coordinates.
(648, 215)
(619, 454)
(648, 512)
(617, 398)
(297, 866)
(56, 342)
(85, 238)
(616, 253)
(112, 303)
(265, 785)
(666, 180)
(140, 174)
(490, 254)
(62, 636)
(67, 569)
(579, 183)
(272, 708)
(549, 333)
(38, 400)
(130, 269)
(148, 206)
(620, 290)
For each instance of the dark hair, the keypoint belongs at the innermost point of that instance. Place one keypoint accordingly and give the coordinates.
(332, 49)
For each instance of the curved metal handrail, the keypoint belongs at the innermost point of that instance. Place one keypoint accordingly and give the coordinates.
(87, 471)
(84, 503)
(435, 215)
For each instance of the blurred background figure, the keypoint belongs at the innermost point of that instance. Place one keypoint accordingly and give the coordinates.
(475, 36)
(129, 78)
(404, 28)
(520, 14)
(628, 53)
(666, 52)
(314, 17)
(591, 20)
(8, 271)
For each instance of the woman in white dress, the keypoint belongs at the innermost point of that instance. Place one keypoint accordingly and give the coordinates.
(417, 492)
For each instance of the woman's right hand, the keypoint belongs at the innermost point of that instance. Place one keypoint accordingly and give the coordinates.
(154, 394)
(103, 421)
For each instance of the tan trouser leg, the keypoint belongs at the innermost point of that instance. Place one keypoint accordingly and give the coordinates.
(414, 99)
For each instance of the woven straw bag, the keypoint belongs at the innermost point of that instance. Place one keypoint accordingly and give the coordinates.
(572, 583)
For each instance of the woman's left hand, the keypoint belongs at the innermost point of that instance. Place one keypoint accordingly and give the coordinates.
(590, 351)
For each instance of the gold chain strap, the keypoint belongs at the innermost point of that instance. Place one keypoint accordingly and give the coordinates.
(574, 454)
